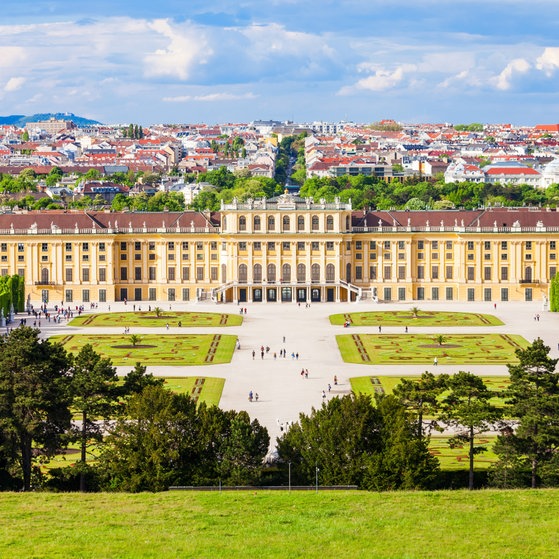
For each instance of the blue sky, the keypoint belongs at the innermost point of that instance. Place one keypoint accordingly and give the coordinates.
(169, 61)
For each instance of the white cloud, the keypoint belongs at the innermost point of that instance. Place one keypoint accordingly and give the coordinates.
(548, 61)
(516, 66)
(275, 40)
(186, 48)
(12, 56)
(13, 84)
(381, 80)
(210, 97)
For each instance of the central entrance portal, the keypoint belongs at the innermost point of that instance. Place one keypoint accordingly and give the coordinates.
(286, 296)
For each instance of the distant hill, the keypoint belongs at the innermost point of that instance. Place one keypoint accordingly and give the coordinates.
(22, 120)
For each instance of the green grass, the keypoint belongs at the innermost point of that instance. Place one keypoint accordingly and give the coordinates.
(424, 318)
(204, 389)
(182, 349)
(457, 458)
(268, 524)
(370, 384)
(149, 320)
(395, 349)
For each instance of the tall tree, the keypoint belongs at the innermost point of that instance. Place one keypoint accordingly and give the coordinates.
(335, 438)
(422, 397)
(534, 401)
(351, 441)
(467, 409)
(403, 460)
(34, 397)
(137, 379)
(154, 445)
(243, 450)
(95, 392)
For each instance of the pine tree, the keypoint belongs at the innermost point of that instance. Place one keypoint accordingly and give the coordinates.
(534, 401)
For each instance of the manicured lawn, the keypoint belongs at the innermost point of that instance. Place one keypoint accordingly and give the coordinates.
(395, 349)
(202, 389)
(457, 458)
(270, 524)
(424, 318)
(182, 349)
(150, 320)
(385, 385)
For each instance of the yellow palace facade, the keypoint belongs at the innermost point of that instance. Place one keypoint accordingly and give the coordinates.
(282, 250)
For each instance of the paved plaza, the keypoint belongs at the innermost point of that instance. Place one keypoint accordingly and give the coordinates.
(283, 392)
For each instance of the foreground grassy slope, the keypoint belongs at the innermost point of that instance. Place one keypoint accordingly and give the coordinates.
(458, 524)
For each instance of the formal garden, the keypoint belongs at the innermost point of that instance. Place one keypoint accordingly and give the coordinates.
(153, 349)
(371, 385)
(157, 317)
(414, 317)
(451, 349)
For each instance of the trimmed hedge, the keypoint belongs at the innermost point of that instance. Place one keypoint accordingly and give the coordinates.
(12, 291)
(554, 294)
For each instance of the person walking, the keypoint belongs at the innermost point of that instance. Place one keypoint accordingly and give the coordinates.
(435, 361)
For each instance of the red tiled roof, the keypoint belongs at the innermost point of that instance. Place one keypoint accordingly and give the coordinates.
(511, 171)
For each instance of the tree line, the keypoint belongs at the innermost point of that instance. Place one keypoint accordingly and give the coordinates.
(133, 434)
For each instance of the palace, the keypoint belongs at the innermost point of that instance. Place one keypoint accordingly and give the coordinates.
(285, 249)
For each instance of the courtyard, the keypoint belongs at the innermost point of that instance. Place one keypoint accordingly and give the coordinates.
(308, 332)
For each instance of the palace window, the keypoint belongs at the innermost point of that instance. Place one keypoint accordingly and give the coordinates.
(330, 273)
(315, 273)
(314, 223)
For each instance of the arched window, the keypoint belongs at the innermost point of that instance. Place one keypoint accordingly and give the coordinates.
(348, 273)
(242, 273)
(271, 272)
(286, 223)
(257, 223)
(223, 273)
(347, 223)
(242, 223)
(44, 276)
(257, 273)
(528, 274)
(271, 223)
(314, 223)
(301, 273)
(329, 223)
(286, 273)
(300, 223)
(330, 273)
(315, 273)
